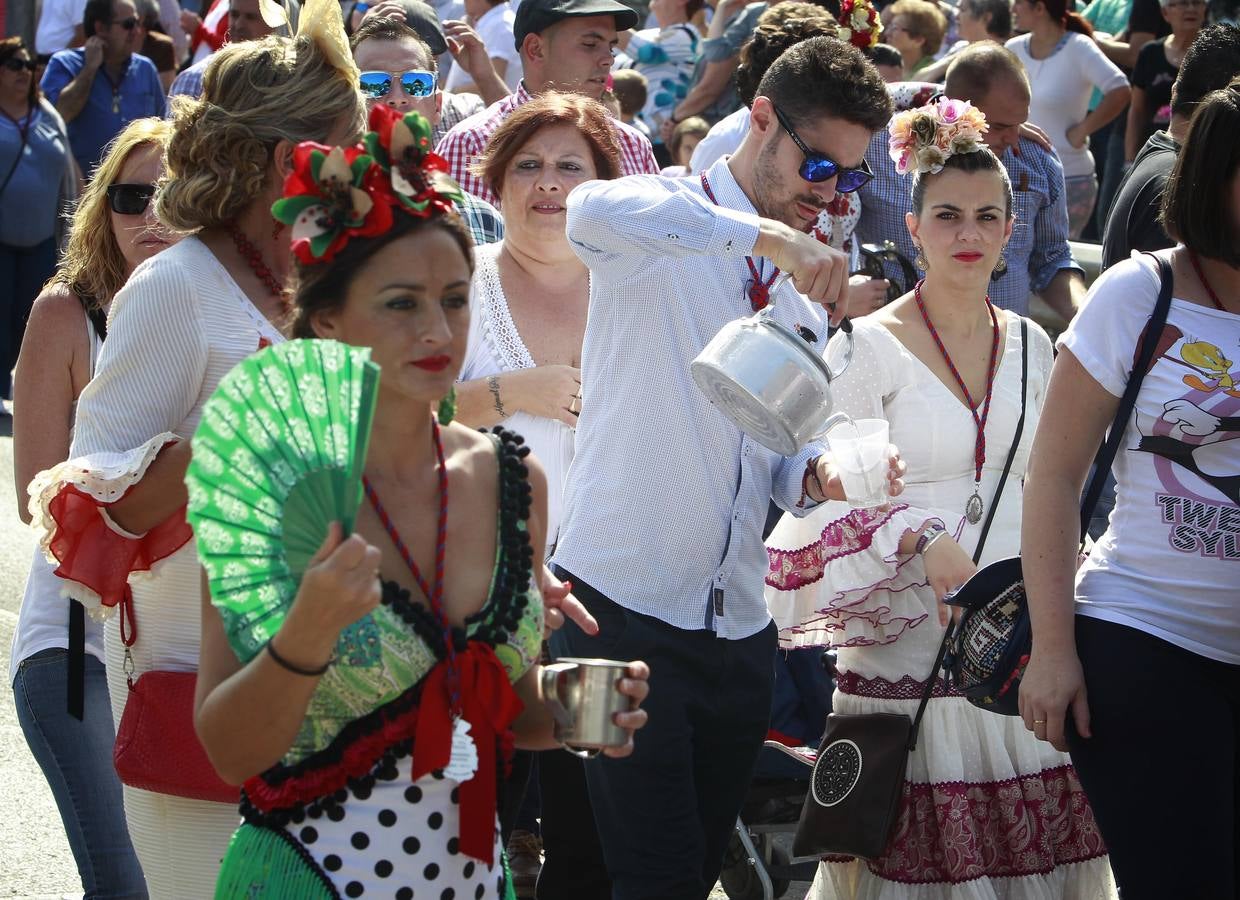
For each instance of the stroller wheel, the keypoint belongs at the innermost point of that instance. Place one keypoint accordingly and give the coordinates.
(740, 879)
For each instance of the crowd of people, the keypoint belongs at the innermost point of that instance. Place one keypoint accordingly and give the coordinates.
(534, 214)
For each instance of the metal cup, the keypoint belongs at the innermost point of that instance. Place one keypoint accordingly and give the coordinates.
(583, 697)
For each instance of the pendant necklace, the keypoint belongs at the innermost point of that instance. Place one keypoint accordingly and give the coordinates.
(116, 90)
(756, 289)
(974, 507)
(463, 755)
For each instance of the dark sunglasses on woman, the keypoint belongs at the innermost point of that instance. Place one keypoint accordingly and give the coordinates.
(415, 83)
(130, 199)
(818, 167)
(13, 64)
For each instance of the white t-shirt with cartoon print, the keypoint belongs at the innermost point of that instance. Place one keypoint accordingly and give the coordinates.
(1169, 563)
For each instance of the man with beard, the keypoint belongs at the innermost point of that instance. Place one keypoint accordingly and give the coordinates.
(666, 497)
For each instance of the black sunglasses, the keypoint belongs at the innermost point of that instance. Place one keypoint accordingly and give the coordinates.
(818, 167)
(128, 24)
(130, 199)
(13, 64)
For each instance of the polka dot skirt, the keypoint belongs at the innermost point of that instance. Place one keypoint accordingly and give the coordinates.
(399, 841)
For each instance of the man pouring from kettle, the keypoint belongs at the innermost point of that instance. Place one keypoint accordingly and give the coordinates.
(666, 497)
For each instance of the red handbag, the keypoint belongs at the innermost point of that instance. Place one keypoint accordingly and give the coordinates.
(156, 746)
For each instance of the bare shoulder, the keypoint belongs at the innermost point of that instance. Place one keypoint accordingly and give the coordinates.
(893, 316)
(57, 322)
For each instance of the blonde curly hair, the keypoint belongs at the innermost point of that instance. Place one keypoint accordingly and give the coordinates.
(255, 94)
(93, 266)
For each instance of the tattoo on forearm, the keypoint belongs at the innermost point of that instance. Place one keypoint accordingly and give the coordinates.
(493, 384)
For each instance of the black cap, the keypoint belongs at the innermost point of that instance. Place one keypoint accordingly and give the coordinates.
(425, 21)
(535, 16)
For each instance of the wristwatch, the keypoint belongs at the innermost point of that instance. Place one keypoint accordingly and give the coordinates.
(928, 536)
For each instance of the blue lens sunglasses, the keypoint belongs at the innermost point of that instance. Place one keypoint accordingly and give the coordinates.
(416, 83)
(818, 167)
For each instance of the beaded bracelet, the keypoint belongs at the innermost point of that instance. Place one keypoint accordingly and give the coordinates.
(298, 670)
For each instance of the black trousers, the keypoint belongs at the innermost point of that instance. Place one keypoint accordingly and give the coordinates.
(666, 812)
(1162, 770)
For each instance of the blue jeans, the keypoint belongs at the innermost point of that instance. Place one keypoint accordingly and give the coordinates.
(76, 758)
(22, 273)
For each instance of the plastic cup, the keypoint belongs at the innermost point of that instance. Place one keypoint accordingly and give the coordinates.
(860, 456)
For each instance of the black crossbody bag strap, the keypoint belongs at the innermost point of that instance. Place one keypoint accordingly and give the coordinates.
(928, 692)
(1149, 342)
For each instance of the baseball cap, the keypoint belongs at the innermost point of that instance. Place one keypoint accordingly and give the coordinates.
(425, 21)
(534, 16)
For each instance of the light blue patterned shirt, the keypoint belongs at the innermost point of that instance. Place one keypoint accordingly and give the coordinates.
(666, 498)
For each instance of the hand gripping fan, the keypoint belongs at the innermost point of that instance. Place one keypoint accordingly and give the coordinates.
(277, 457)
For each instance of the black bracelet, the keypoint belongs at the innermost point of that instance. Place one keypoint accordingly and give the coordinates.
(297, 670)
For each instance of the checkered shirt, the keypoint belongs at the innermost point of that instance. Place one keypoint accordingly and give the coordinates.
(464, 143)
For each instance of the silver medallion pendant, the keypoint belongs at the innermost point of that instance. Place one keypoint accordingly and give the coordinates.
(974, 508)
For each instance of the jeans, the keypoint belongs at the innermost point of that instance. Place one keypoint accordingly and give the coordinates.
(22, 273)
(665, 813)
(76, 758)
(1162, 770)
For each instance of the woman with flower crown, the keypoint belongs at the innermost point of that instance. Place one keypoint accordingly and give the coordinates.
(112, 518)
(390, 703)
(986, 811)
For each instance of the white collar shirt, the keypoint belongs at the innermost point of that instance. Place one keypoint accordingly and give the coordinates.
(666, 498)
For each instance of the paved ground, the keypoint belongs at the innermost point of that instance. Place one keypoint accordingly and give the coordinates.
(35, 861)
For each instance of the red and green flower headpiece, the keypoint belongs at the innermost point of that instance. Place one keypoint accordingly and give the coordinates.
(335, 194)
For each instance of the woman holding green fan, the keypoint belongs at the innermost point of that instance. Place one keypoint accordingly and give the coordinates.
(370, 710)
(112, 518)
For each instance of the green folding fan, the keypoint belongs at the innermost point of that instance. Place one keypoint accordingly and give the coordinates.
(277, 457)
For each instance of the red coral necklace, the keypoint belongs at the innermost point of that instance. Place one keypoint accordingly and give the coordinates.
(254, 259)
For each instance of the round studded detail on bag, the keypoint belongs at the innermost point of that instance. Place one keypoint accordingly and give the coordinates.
(836, 772)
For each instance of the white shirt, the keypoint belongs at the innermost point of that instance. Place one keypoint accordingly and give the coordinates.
(496, 346)
(1062, 85)
(1169, 562)
(723, 139)
(495, 30)
(57, 22)
(666, 497)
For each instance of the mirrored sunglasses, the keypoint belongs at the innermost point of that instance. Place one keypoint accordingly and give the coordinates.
(13, 64)
(130, 199)
(818, 167)
(415, 83)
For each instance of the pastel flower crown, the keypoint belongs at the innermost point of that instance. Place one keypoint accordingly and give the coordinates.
(859, 24)
(922, 140)
(335, 194)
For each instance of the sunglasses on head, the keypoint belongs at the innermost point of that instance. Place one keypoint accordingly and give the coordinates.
(415, 83)
(130, 199)
(818, 167)
(13, 64)
(128, 24)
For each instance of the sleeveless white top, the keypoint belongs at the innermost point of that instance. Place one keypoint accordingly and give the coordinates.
(495, 347)
(43, 622)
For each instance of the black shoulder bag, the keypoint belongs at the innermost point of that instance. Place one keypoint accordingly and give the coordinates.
(993, 638)
(853, 801)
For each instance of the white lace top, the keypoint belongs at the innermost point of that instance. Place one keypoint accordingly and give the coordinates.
(495, 346)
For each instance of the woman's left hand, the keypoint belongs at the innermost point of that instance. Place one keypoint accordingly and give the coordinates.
(1076, 136)
(636, 686)
(558, 602)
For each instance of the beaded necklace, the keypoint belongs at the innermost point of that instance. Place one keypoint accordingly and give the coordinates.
(974, 507)
(1201, 274)
(758, 291)
(254, 260)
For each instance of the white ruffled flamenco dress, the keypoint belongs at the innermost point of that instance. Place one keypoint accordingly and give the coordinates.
(987, 811)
